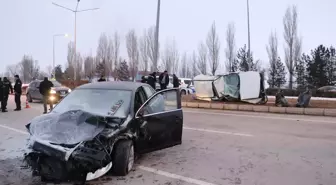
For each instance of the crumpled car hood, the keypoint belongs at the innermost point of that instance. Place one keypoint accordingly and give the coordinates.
(67, 128)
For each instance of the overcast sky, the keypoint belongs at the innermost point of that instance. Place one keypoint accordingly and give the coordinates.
(27, 26)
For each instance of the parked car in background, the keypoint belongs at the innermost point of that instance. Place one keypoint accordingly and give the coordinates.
(186, 86)
(24, 87)
(56, 94)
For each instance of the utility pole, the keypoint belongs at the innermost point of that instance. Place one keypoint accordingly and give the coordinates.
(75, 11)
(157, 29)
(248, 32)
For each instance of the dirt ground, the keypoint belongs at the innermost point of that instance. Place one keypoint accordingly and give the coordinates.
(271, 101)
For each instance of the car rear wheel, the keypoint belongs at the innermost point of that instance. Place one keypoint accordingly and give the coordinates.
(29, 98)
(123, 158)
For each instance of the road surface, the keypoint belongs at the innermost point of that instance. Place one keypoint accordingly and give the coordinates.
(219, 148)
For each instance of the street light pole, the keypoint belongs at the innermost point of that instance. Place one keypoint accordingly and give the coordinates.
(54, 36)
(75, 34)
(157, 29)
(248, 32)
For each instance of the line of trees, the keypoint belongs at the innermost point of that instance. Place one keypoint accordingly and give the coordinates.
(317, 68)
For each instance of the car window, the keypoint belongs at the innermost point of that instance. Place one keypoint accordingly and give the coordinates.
(149, 91)
(139, 100)
(114, 103)
(162, 102)
(187, 82)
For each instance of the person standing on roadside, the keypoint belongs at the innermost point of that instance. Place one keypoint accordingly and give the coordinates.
(176, 82)
(164, 80)
(45, 88)
(7, 89)
(151, 80)
(18, 92)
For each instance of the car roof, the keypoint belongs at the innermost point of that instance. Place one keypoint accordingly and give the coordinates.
(117, 85)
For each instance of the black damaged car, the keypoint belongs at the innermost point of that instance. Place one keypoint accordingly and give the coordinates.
(102, 127)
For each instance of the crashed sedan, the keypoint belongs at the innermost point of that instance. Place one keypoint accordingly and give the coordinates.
(101, 127)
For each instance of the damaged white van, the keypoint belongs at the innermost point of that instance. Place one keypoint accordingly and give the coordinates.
(242, 86)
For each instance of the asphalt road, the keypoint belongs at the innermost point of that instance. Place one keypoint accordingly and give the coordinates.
(219, 148)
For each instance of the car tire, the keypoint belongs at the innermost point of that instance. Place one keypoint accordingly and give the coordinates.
(123, 158)
(29, 98)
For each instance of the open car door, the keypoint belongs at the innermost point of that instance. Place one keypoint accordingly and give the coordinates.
(161, 120)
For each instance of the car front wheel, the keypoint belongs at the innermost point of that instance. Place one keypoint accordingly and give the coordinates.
(123, 158)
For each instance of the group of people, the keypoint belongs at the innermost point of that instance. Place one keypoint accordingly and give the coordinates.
(163, 80)
(6, 89)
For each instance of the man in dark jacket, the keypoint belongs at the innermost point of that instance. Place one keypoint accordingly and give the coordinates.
(18, 92)
(151, 80)
(101, 79)
(45, 88)
(176, 82)
(7, 89)
(164, 80)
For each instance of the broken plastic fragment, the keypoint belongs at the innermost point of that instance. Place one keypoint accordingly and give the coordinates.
(100, 172)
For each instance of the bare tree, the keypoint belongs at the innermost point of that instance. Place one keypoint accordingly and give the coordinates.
(103, 53)
(144, 50)
(49, 70)
(79, 66)
(184, 66)
(29, 69)
(194, 62)
(151, 48)
(70, 71)
(272, 48)
(133, 52)
(89, 67)
(291, 38)
(230, 47)
(110, 57)
(202, 64)
(170, 57)
(116, 51)
(12, 70)
(213, 44)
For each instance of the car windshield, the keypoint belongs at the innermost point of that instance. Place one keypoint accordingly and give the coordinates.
(102, 102)
(56, 84)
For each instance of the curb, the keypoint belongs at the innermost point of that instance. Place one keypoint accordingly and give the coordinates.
(262, 108)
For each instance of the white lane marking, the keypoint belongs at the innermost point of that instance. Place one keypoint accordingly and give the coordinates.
(255, 116)
(14, 129)
(218, 132)
(174, 176)
(155, 171)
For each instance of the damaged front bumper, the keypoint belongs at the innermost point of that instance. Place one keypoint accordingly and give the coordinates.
(67, 162)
